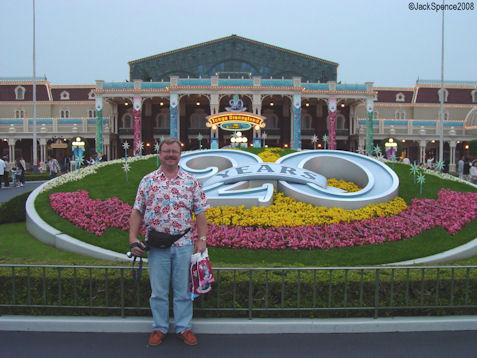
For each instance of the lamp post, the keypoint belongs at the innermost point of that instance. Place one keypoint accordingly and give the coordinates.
(35, 154)
(391, 148)
(441, 122)
(264, 137)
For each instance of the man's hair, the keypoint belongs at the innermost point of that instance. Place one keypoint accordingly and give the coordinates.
(170, 141)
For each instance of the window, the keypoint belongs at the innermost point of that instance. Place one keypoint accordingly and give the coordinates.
(446, 93)
(19, 113)
(306, 122)
(20, 92)
(446, 116)
(399, 115)
(272, 121)
(197, 121)
(91, 113)
(127, 120)
(65, 113)
(162, 121)
(400, 97)
(65, 95)
(474, 96)
(340, 121)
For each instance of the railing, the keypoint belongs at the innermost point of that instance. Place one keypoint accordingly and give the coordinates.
(248, 292)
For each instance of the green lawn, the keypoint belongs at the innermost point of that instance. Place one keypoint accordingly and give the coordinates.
(111, 181)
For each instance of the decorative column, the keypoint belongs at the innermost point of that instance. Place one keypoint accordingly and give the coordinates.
(369, 126)
(257, 109)
(422, 151)
(296, 122)
(214, 109)
(11, 149)
(332, 123)
(137, 114)
(99, 125)
(42, 150)
(452, 145)
(174, 115)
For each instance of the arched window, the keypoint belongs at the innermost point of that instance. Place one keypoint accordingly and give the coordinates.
(399, 115)
(65, 95)
(474, 96)
(400, 97)
(306, 121)
(197, 120)
(162, 121)
(446, 93)
(20, 92)
(340, 121)
(272, 121)
(19, 113)
(126, 121)
(65, 113)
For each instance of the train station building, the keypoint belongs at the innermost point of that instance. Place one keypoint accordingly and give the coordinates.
(235, 91)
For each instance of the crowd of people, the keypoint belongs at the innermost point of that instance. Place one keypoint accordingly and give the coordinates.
(13, 173)
(15, 169)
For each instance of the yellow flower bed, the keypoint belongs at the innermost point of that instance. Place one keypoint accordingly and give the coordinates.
(288, 212)
(270, 155)
(342, 184)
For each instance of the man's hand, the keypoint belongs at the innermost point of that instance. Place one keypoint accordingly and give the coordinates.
(200, 246)
(138, 250)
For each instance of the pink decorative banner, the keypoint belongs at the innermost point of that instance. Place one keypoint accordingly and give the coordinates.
(137, 124)
(332, 124)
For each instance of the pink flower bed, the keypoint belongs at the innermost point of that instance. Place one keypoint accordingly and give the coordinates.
(451, 211)
(93, 215)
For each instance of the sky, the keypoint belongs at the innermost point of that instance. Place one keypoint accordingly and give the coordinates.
(382, 41)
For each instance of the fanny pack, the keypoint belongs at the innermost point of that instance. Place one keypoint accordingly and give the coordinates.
(162, 240)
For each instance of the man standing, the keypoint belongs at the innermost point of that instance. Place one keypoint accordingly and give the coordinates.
(166, 199)
(2, 171)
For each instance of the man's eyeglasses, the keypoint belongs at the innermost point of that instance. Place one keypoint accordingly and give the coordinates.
(170, 151)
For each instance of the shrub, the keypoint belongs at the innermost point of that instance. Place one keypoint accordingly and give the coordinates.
(14, 209)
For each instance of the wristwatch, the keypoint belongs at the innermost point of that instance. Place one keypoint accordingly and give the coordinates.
(203, 238)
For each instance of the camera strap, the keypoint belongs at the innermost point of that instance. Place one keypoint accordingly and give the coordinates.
(136, 276)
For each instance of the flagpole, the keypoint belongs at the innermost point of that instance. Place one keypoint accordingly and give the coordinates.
(441, 123)
(35, 160)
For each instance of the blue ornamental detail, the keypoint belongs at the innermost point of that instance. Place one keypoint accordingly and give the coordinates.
(236, 105)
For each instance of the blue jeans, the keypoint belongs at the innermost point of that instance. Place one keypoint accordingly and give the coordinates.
(164, 264)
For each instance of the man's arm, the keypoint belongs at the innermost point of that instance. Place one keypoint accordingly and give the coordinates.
(201, 221)
(134, 224)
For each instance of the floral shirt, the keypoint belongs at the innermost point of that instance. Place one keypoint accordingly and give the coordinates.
(167, 204)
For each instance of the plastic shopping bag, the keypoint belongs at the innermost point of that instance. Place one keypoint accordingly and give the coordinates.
(201, 275)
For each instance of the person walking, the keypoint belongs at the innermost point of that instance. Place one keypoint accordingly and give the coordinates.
(20, 173)
(473, 172)
(460, 167)
(53, 167)
(166, 199)
(22, 177)
(2, 171)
